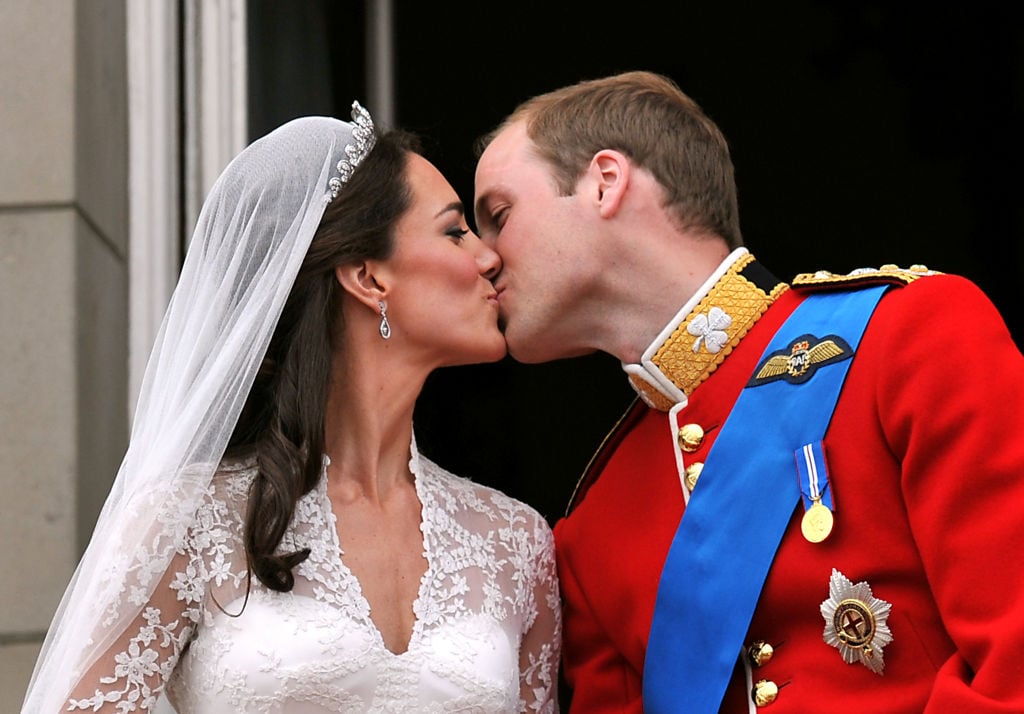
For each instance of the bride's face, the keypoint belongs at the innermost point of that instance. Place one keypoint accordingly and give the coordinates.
(441, 300)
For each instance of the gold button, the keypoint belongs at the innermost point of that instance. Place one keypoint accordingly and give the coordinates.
(918, 268)
(889, 267)
(693, 473)
(764, 693)
(690, 437)
(760, 652)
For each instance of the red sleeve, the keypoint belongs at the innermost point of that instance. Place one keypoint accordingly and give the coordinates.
(952, 406)
(593, 669)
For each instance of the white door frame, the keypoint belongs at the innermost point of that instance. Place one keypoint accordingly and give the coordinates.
(182, 131)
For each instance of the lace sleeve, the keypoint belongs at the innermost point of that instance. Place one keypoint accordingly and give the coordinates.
(132, 672)
(540, 649)
(130, 675)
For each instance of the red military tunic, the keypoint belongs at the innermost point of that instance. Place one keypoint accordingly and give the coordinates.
(926, 463)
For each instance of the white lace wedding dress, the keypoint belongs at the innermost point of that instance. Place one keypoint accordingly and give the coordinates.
(486, 637)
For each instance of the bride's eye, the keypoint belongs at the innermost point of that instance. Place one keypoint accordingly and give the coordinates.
(457, 233)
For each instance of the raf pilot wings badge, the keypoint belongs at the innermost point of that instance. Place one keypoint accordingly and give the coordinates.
(798, 362)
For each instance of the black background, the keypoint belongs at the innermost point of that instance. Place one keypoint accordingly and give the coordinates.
(863, 133)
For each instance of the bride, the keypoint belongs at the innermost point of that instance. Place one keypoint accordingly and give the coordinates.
(274, 541)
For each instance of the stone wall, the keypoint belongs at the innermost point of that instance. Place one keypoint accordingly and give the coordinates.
(63, 301)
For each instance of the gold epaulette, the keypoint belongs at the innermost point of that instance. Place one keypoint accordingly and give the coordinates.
(888, 274)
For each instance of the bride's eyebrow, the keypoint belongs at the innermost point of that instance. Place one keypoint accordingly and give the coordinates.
(453, 206)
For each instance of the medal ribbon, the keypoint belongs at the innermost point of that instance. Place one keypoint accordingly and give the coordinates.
(810, 464)
(735, 519)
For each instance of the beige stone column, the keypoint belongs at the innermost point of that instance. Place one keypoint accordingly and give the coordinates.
(63, 301)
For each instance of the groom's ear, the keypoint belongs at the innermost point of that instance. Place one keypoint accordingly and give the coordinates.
(367, 281)
(610, 173)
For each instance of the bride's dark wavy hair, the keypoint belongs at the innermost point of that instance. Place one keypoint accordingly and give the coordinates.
(282, 422)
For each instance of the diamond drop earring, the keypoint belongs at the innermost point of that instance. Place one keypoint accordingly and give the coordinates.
(385, 327)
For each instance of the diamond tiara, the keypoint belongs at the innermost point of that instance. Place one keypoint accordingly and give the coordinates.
(355, 152)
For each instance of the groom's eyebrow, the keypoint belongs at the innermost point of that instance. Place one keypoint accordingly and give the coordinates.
(453, 206)
(481, 203)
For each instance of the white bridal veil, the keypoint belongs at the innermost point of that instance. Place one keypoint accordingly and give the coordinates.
(252, 235)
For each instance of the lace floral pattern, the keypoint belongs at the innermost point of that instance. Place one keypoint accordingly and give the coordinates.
(486, 636)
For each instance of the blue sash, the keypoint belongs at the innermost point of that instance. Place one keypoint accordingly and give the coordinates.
(736, 517)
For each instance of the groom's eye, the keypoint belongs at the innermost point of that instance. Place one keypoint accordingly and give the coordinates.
(499, 218)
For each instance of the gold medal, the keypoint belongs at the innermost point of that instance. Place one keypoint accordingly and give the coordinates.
(817, 522)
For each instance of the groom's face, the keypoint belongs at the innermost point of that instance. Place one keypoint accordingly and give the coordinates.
(520, 213)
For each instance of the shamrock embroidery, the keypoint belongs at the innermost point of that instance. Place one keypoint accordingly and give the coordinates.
(710, 329)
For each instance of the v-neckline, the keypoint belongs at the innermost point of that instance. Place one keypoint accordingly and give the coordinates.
(352, 581)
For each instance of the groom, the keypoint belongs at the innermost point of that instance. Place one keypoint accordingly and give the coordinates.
(814, 503)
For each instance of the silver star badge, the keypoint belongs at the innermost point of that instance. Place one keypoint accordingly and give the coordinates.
(856, 622)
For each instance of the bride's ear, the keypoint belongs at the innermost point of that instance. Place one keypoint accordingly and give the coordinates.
(365, 281)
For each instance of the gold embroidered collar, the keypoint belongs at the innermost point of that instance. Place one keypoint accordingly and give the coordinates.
(704, 331)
